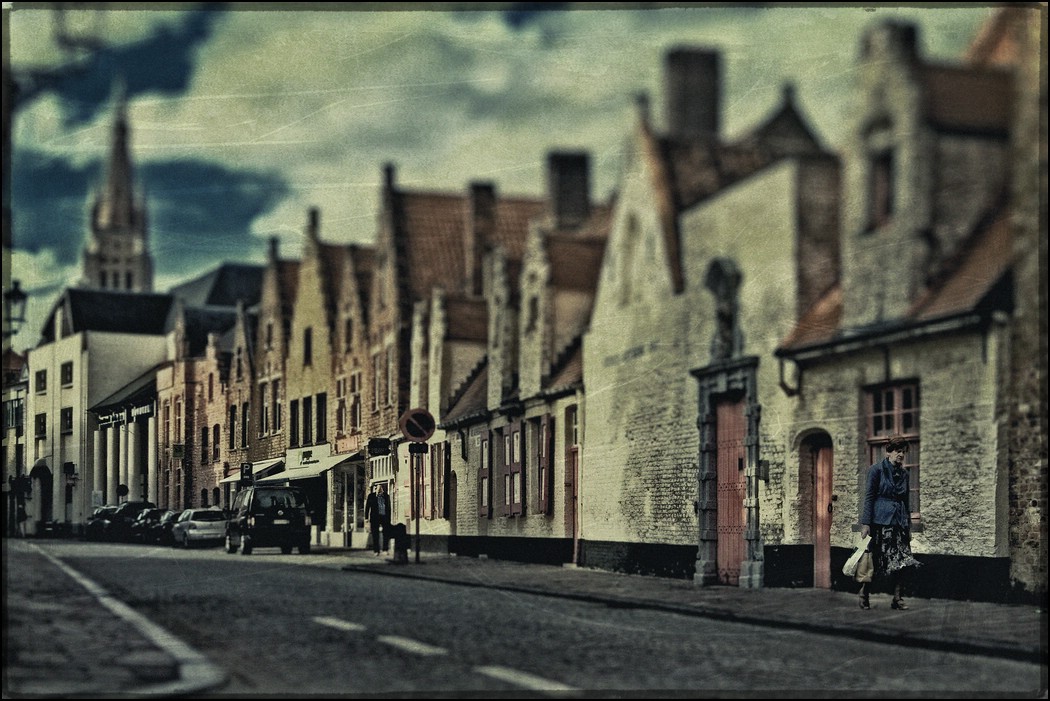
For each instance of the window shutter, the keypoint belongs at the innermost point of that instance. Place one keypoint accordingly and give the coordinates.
(485, 477)
(545, 449)
(517, 475)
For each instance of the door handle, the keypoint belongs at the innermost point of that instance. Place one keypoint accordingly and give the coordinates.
(829, 508)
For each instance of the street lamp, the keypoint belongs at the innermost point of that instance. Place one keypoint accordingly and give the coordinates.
(14, 309)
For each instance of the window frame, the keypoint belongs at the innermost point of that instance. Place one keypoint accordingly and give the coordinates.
(905, 402)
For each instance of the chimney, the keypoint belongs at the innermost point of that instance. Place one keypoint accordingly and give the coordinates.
(693, 92)
(313, 217)
(568, 188)
(272, 255)
(481, 227)
(889, 38)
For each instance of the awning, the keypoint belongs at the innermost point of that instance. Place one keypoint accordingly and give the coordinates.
(260, 469)
(319, 468)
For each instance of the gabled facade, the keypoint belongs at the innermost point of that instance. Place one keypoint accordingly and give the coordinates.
(714, 247)
(72, 371)
(939, 248)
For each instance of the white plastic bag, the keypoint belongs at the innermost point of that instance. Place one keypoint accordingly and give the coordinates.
(850, 568)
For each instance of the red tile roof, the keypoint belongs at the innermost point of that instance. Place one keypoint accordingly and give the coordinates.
(468, 319)
(471, 398)
(968, 99)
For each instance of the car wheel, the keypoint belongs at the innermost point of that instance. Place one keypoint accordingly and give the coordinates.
(304, 549)
(246, 545)
(231, 547)
(286, 549)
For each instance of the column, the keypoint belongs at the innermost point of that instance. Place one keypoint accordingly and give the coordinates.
(152, 478)
(98, 469)
(112, 464)
(124, 457)
(134, 462)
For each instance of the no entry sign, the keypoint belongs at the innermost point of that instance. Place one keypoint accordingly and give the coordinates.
(417, 425)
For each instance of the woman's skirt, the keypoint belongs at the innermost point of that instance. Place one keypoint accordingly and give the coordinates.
(891, 548)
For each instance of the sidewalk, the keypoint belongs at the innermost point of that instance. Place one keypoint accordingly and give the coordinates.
(64, 638)
(994, 630)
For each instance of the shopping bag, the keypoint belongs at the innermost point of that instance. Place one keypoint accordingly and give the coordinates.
(850, 568)
(865, 568)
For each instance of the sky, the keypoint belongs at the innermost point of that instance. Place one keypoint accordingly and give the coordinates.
(243, 117)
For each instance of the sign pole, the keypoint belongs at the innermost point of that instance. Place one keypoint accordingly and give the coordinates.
(417, 459)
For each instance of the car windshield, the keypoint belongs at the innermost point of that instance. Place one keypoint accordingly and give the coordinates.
(208, 516)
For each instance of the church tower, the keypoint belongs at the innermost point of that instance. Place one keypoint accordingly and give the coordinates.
(117, 253)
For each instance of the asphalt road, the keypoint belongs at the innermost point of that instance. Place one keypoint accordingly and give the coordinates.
(299, 625)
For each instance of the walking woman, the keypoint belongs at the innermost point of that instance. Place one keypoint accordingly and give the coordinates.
(886, 516)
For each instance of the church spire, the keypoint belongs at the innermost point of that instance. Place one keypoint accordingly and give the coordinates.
(117, 253)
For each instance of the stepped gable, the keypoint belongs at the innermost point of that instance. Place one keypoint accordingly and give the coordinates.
(469, 401)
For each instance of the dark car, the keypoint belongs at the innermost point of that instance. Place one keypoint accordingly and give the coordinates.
(160, 532)
(140, 527)
(264, 516)
(118, 524)
(95, 527)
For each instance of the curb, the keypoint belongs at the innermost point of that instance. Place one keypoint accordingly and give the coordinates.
(1008, 652)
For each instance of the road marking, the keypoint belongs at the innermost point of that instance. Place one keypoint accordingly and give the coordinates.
(524, 680)
(409, 645)
(338, 623)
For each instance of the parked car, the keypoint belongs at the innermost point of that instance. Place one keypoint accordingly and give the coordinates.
(140, 527)
(264, 516)
(196, 526)
(95, 527)
(160, 532)
(118, 524)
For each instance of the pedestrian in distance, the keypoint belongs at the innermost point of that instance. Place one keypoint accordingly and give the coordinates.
(377, 512)
(886, 516)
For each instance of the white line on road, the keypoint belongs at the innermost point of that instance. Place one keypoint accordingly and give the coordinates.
(524, 680)
(409, 645)
(338, 623)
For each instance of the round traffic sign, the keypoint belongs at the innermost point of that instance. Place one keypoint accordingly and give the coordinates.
(417, 425)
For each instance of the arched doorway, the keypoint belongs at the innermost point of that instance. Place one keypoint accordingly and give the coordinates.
(43, 509)
(816, 477)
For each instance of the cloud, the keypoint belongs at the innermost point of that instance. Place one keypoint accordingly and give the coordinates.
(162, 62)
(201, 213)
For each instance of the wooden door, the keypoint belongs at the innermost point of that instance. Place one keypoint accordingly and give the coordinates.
(822, 506)
(730, 460)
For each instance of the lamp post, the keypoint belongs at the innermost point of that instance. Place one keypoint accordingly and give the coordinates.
(14, 309)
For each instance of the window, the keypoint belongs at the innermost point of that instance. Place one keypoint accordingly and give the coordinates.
(239, 365)
(167, 422)
(41, 380)
(276, 389)
(204, 444)
(390, 375)
(178, 420)
(308, 419)
(880, 196)
(204, 498)
(293, 423)
(244, 424)
(269, 335)
(67, 374)
(67, 419)
(211, 387)
(41, 426)
(308, 346)
(215, 442)
(376, 382)
(348, 334)
(322, 417)
(264, 414)
(894, 410)
(13, 410)
(355, 400)
(233, 428)
(484, 483)
(128, 280)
